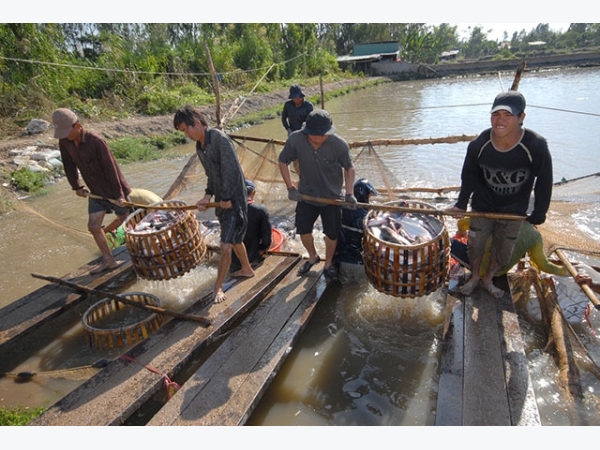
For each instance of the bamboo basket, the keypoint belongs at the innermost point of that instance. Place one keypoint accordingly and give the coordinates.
(169, 252)
(110, 324)
(406, 271)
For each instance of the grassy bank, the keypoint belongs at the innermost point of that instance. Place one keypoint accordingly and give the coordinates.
(133, 148)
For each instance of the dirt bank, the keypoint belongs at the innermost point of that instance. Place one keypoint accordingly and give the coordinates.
(156, 125)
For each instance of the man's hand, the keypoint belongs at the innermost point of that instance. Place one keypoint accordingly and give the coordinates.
(82, 192)
(294, 194)
(351, 199)
(201, 204)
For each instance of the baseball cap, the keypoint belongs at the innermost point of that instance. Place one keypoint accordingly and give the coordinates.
(296, 92)
(511, 101)
(318, 123)
(63, 120)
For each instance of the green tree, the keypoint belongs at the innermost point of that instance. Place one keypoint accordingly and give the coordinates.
(478, 45)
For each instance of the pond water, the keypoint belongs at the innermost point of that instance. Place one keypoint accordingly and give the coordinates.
(365, 358)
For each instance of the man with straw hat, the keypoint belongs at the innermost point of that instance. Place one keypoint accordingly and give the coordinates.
(502, 167)
(86, 153)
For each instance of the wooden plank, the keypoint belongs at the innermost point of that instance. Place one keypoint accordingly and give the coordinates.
(228, 386)
(521, 397)
(120, 389)
(485, 400)
(449, 407)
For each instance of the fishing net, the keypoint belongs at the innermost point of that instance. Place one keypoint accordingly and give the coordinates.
(572, 219)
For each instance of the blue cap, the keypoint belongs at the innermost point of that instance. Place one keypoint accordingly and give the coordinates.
(250, 186)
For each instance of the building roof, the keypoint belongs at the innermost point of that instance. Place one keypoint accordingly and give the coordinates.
(370, 48)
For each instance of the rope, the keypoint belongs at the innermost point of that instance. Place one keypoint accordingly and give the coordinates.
(106, 69)
(171, 386)
(28, 209)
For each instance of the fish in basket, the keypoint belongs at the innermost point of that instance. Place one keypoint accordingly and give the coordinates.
(406, 254)
(164, 244)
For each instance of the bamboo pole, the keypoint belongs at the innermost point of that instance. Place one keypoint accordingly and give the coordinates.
(215, 79)
(379, 142)
(322, 91)
(203, 321)
(558, 338)
(518, 75)
(155, 207)
(584, 287)
(402, 209)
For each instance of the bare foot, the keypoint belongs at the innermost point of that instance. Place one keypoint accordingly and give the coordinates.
(468, 288)
(497, 293)
(219, 296)
(242, 274)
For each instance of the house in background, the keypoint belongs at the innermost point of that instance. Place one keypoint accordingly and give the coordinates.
(364, 54)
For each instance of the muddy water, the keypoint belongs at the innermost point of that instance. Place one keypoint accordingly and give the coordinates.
(364, 358)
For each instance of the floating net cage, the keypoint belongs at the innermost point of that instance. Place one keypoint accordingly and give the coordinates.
(407, 271)
(166, 252)
(111, 324)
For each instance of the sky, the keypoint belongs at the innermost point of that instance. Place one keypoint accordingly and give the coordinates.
(497, 29)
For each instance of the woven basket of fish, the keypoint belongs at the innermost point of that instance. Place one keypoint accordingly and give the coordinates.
(164, 244)
(111, 324)
(406, 254)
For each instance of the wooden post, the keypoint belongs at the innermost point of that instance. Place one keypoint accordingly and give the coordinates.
(322, 92)
(215, 79)
(518, 74)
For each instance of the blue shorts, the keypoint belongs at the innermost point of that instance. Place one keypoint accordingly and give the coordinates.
(95, 206)
(307, 214)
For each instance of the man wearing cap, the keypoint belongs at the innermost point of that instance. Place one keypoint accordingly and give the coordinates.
(325, 167)
(295, 110)
(502, 167)
(226, 182)
(86, 153)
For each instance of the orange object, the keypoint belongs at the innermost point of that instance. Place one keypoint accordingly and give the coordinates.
(277, 239)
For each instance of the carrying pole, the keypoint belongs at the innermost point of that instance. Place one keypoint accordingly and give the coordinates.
(154, 207)
(402, 209)
(203, 321)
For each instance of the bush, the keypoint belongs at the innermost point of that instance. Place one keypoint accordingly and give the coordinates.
(28, 181)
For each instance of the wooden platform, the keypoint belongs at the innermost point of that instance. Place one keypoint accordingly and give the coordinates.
(52, 303)
(225, 369)
(125, 385)
(484, 378)
(227, 387)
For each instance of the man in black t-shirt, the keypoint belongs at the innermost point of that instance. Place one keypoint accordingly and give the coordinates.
(502, 167)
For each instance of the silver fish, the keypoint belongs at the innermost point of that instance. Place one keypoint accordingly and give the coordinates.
(389, 235)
